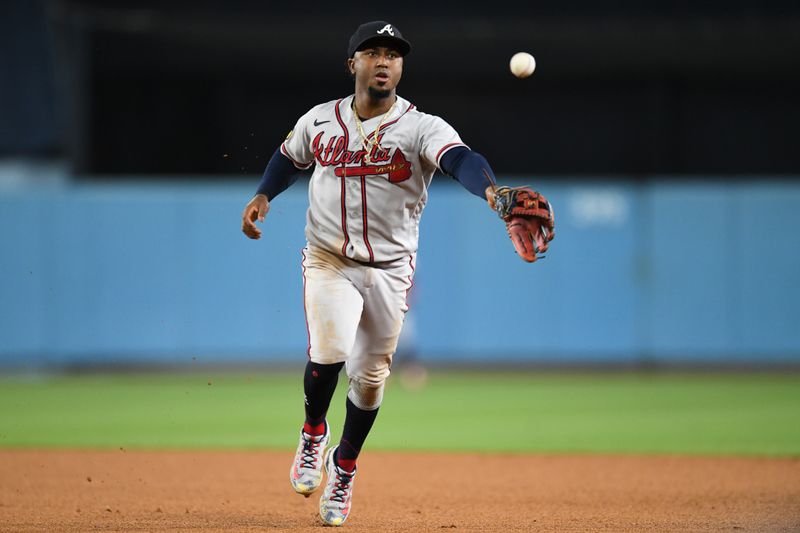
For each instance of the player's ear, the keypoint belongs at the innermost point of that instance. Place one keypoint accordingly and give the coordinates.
(350, 68)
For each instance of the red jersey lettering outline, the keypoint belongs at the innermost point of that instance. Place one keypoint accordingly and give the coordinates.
(334, 153)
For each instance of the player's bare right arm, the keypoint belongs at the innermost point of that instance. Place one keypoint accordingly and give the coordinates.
(282, 171)
(256, 209)
(278, 176)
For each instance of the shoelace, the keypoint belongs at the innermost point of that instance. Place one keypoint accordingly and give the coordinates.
(342, 485)
(310, 454)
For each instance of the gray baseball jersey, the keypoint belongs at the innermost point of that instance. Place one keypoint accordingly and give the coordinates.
(367, 206)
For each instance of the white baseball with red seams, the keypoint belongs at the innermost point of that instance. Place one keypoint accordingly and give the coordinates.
(363, 213)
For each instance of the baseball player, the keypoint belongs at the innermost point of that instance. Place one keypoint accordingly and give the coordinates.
(373, 155)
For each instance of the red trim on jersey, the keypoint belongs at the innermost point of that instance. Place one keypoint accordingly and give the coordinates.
(299, 166)
(341, 123)
(410, 278)
(445, 148)
(364, 216)
(410, 107)
(305, 312)
(344, 192)
(397, 170)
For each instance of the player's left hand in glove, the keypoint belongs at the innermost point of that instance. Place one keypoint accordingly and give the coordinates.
(528, 216)
(256, 209)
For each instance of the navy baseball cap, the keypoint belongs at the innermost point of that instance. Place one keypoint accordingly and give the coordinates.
(378, 30)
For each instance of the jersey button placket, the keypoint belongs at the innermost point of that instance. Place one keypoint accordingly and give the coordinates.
(354, 225)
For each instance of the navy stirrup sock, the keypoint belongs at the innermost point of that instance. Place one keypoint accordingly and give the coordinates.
(357, 425)
(319, 384)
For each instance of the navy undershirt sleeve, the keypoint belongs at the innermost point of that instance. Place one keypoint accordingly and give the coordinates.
(470, 169)
(278, 176)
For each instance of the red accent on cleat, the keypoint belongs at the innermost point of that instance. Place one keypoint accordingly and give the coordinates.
(319, 429)
(345, 464)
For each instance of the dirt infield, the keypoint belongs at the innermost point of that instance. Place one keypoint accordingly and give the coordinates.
(249, 491)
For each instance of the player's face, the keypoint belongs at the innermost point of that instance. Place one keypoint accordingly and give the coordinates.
(377, 67)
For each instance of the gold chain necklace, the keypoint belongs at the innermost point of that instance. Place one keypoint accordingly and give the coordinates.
(368, 144)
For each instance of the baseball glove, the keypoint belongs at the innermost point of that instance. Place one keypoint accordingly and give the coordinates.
(529, 219)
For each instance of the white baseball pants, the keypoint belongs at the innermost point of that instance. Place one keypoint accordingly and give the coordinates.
(354, 312)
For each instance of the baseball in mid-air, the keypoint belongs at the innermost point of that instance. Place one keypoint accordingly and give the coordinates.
(522, 64)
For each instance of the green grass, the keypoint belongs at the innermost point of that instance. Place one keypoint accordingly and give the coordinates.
(515, 412)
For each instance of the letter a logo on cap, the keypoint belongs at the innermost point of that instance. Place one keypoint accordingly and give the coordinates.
(387, 29)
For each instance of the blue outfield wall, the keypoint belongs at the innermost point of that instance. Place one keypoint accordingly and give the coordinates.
(660, 271)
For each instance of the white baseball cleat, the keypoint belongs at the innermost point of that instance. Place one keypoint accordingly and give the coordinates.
(306, 472)
(334, 505)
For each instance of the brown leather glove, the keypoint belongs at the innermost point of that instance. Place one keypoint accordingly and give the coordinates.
(529, 219)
